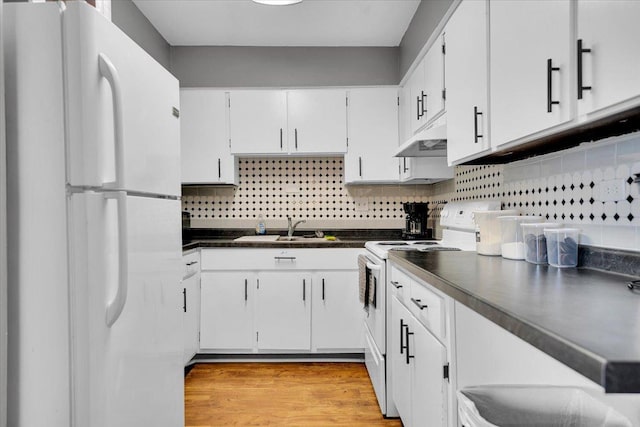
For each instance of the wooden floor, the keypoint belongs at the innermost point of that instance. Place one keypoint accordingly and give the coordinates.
(281, 394)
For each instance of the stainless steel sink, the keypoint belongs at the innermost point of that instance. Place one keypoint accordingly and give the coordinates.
(302, 239)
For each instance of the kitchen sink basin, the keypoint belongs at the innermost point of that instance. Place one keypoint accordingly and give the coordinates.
(302, 239)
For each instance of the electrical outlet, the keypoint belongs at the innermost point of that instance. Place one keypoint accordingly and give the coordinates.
(612, 190)
(362, 205)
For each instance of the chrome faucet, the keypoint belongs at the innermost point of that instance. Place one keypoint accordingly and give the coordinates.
(292, 228)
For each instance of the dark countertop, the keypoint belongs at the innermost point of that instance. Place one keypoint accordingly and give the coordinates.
(224, 238)
(586, 319)
(230, 243)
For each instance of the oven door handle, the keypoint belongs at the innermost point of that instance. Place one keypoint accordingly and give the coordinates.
(373, 267)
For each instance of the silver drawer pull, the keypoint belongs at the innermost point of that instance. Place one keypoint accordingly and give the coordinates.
(192, 263)
(419, 303)
(396, 284)
(286, 258)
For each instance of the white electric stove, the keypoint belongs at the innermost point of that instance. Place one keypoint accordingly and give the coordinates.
(458, 233)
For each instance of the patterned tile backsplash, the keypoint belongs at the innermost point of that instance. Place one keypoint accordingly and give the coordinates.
(560, 186)
(303, 188)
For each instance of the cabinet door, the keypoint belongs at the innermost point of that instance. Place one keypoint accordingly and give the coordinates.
(226, 320)
(317, 121)
(337, 318)
(400, 363)
(525, 85)
(434, 80)
(429, 388)
(283, 311)
(258, 121)
(204, 142)
(191, 317)
(404, 124)
(417, 94)
(373, 136)
(425, 169)
(466, 76)
(612, 67)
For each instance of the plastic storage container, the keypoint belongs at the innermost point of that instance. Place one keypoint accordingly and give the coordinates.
(488, 238)
(535, 243)
(540, 406)
(562, 246)
(512, 245)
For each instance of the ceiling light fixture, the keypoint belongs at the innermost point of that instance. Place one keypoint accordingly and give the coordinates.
(277, 2)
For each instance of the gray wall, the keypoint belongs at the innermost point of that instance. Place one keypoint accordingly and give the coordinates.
(424, 22)
(126, 15)
(230, 66)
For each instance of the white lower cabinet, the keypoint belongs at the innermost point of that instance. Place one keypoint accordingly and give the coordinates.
(227, 311)
(419, 364)
(191, 309)
(283, 311)
(337, 312)
(271, 300)
(191, 304)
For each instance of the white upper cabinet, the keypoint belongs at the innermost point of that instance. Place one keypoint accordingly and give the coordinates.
(417, 93)
(530, 59)
(288, 122)
(405, 109)
(467, 78)
(608, 55)
(204, 140)
(434, 80)
(317, 121)
(373, 136)
(425, 87)
(417, 169)
(258, 121)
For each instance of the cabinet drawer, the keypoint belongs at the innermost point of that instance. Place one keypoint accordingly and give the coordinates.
(400, 285)
(280, 259)
(190, 264)
(428, 308)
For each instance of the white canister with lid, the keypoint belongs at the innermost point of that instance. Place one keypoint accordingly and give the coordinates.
(512, 246)
(488, 238)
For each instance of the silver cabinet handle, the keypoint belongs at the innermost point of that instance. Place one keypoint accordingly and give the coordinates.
(286, 258)
(304, 289)
(396, 284)
(192, 263)
(419, 303)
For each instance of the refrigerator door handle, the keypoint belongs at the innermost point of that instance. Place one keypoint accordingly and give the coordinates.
(115, 307)
(110, 73)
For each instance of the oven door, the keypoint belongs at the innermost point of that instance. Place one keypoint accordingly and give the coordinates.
(375, 317)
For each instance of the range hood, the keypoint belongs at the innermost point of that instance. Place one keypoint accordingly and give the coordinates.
(429, 142)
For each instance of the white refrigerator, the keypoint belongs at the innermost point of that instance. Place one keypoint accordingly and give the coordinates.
(94, 236)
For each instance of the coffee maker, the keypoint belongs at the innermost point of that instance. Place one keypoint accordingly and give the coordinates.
(416, 221)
